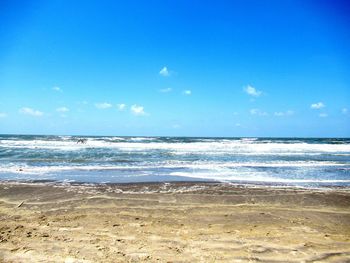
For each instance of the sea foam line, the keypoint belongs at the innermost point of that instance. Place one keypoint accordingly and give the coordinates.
(214, 167)
(217, 147)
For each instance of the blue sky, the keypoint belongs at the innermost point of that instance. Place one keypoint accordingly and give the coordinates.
(175, 68)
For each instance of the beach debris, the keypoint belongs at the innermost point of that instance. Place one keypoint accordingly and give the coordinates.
(82, 141)
(20, 204)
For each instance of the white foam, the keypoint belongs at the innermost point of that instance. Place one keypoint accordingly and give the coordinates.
(212, 168)
(220, 147)
(137, 139)
(112, 138)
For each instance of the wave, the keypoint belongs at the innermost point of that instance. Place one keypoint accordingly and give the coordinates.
(214, 147)
(217, 174)
(214, 167)
(241, 159)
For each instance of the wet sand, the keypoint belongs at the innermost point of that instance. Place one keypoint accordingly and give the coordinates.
(176, 222)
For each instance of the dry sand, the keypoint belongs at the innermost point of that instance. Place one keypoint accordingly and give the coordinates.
(177, 222)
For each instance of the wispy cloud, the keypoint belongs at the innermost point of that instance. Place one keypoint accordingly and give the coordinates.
(252, 91)
(258, 112)
(164, 72)
(166, 90)
(103, 105)
(323, 115)
(176, 126)
(121, 106)
(137, 110)
(62, 109)
(187, 92)
(317, 106)
(3, 115)
(284, 113)
(58, 89)
(30, 111)
(344, 110)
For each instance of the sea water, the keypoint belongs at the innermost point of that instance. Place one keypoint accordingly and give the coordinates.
(315, 162)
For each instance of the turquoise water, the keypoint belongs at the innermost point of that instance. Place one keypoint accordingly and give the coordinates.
(276, 161)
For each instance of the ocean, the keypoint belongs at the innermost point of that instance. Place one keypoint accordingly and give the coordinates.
(301, 162)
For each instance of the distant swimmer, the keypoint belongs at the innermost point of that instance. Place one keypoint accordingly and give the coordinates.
(82, 141)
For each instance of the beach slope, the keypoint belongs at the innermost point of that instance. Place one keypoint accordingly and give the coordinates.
(172, 222)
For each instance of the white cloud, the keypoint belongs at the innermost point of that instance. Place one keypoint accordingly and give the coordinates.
(317, 106)
(57, 89)
(103, 105)
(282, 113)
(121, 106)
(164, 72)
(258, 112)
(344, 111)
(62, 109)
(165, 90)
(252, 91)
(137, 110)
(187, 92)
(30, 111)
(323, 115)
(3, 115)
(176, 126)
(238, 124)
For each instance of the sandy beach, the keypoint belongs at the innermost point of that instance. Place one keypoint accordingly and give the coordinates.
(172, 222)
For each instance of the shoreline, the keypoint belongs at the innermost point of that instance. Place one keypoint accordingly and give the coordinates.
(195, 181)
(177, 222)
